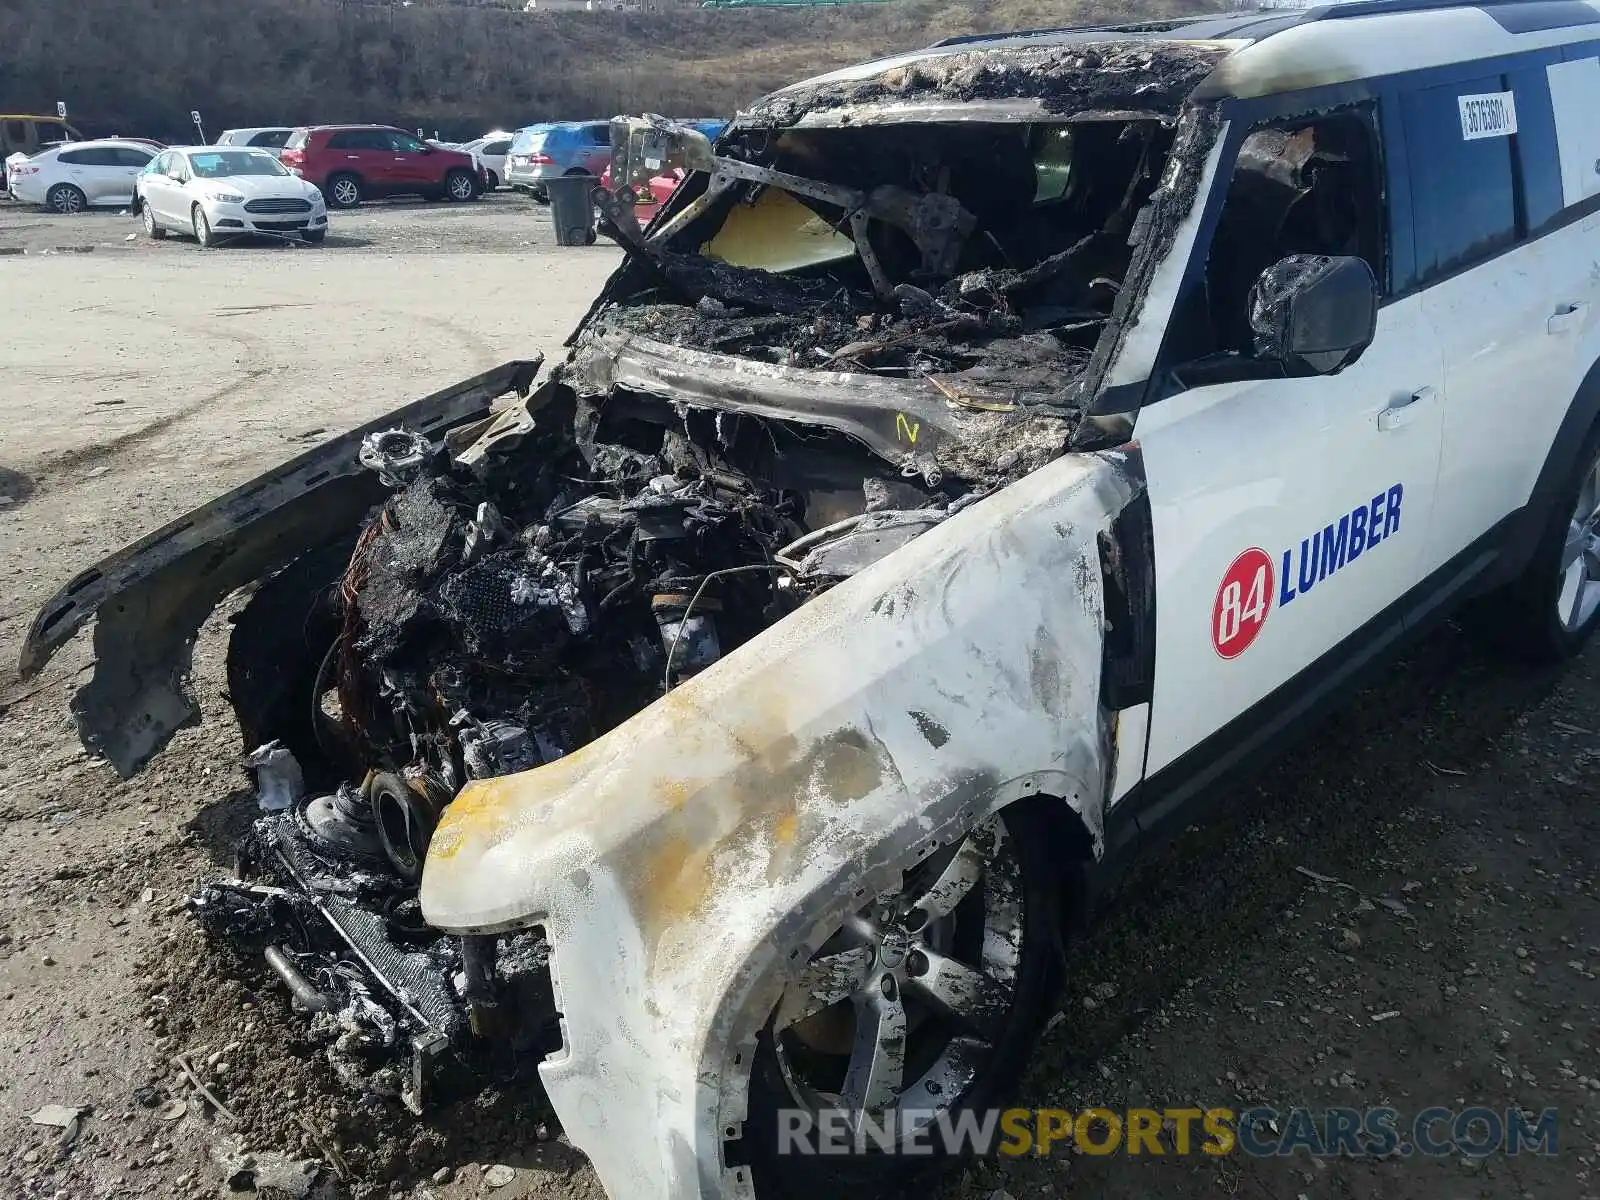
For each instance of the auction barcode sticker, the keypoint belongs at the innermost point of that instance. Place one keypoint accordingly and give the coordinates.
(1490, 115)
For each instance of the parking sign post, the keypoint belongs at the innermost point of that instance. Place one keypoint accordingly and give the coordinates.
(194, 115)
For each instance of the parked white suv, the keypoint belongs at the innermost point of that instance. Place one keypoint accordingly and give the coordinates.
(263, 137)
(985, 455)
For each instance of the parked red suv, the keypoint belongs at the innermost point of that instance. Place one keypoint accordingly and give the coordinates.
(352, 163)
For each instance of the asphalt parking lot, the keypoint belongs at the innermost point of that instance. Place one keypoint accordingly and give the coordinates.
(1404, 912)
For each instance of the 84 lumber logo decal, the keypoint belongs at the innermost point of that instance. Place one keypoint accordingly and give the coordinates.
(1253, 582)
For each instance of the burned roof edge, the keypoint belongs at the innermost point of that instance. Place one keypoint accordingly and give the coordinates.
(1015, 82)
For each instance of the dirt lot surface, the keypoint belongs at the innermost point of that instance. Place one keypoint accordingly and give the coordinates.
(1442, 949)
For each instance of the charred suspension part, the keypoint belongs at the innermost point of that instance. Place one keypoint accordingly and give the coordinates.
(480, 989)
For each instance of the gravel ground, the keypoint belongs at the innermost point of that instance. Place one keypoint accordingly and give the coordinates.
(494, 224)
(1447, 819)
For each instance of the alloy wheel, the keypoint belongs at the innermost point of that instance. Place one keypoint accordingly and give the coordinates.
(346, 193)
(901, 1009)
(460, 187)
(66, 200)
(1579, 595)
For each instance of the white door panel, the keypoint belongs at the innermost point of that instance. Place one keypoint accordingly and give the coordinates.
(1262, 496)
(92, 179)
(158, 190)
(123, 184)
(1509, 330)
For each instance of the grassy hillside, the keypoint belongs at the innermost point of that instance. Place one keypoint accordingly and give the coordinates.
(141, 65)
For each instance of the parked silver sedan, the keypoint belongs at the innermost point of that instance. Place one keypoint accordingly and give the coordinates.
(214, 192)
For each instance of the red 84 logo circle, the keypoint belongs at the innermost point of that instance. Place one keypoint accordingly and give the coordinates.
(1244, 598)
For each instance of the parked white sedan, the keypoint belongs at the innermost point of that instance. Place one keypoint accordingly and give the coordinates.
(490, 152)
(214, 192)
(73, 176)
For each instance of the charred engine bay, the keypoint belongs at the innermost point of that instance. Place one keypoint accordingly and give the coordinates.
(492, 618)
(986, 283)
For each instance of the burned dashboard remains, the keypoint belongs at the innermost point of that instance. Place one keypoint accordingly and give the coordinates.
(975, 262)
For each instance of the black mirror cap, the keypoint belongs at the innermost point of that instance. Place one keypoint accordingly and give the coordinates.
(1314, 313)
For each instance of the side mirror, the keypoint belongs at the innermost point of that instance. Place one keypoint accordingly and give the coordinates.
(1314, 314)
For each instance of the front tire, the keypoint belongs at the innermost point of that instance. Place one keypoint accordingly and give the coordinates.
(926, 1004)
(343, 191)
(1547, 613)
(66, 200)
(152, 230)
(203, 232)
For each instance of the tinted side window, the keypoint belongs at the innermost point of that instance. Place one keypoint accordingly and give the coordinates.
(1307, 187)
(272, 137)
(600, 135)
(1537, 156)
(82, 158)
(128, 157)
(497, 148)
(1458, 143)
(358, 139)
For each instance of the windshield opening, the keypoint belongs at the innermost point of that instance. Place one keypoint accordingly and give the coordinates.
(990, 269)
(224, 164)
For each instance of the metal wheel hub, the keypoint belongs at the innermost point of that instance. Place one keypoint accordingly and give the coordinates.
(461, 188)
(344, 191)
(1579, 596)
(900, 1010)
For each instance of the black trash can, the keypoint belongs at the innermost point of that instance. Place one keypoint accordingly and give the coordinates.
(572, 208)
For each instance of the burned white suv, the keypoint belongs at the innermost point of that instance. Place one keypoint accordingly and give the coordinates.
(982, 456)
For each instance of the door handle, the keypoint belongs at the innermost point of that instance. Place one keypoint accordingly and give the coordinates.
(1403, 413)
(1567, 316)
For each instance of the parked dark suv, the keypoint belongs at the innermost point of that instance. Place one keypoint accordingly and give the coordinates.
(352, 163)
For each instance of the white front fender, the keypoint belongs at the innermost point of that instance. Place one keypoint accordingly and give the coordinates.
(686, 863)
